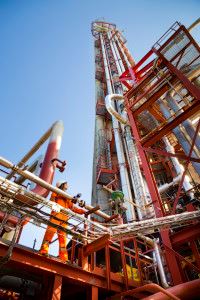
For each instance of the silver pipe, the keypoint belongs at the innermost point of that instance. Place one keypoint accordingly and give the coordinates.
(156, 248)
(130, 60)
(156, 223)
(12, 189)
(175, 161)
(108, 101)
(120, 154)
(136, 176)
(188, 127)
(179, 135)
(138, 185)
(41, 182)
(179, 169)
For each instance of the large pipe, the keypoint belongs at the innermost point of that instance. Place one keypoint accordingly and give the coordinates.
(126, 51)
(188, 127)
(179, 135)
(187, 290)
(108, 101)
(138, 184)
(30, 153)
(118, 142)
(10, 189)
(47, 170)
(141, 197)
(179, 170)
(156, 248)
(42, 183)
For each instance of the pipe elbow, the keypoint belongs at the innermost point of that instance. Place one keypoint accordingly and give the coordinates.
(110, 108)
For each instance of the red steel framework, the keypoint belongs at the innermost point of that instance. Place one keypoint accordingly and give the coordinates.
(146, 83)
(151, 81)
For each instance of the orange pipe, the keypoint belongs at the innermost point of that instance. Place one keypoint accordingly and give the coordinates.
(185, 291)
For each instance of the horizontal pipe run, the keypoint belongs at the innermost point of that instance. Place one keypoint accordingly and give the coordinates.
(36, 179)
(5, 185)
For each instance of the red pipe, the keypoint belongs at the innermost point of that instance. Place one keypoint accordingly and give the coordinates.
(47, 171)
(185, 291)
(138, 292)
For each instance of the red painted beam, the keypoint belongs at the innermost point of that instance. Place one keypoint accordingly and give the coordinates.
(168, 154)
(194, 90)
(57, 286)
(35, 263)
(96, 245)
(159, 133)
(185, 235)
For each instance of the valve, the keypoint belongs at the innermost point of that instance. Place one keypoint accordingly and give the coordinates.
(116, 202)
(59, 164)
(76, 198)
(81, 203)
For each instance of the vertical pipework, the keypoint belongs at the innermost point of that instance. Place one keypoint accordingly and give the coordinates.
(120, 154)
(188, 127)
(179, 135)
(125, 50)
(141, 198)
(178, 167)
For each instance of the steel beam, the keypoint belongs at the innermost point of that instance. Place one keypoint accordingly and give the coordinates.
(168, 154)
(171, 258)
(159, 133)
(35, 263)
(185, 168)
(155, 196)
(194, 90)
(57, 286)
(96, 245)
(185, 235)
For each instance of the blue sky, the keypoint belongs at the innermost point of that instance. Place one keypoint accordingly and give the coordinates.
(47, 69)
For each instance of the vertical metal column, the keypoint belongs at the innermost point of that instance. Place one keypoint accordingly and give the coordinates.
(57, 287)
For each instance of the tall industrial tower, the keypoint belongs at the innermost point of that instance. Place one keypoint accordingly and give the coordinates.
(147, 133)
(116, 163)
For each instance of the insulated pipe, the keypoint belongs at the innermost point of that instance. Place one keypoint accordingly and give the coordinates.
(179, 135)
(42, 183)
(108, 100)
(136, 176)
(126, 51)
(10, 188)
(179, 170)
(166, 186)
(120, 154)
(186, 124)
(156, 248)
(138, 185)
(156, 223)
